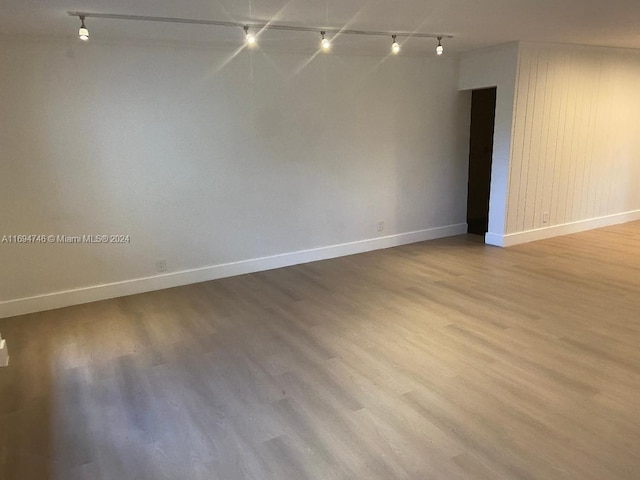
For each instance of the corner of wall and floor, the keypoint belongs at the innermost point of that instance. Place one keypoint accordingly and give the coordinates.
(94, 293)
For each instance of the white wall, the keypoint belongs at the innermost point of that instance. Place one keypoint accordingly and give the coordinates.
(207, 161)
(576, 142)
(495, 67)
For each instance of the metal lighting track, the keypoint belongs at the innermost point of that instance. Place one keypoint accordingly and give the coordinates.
(254, 25)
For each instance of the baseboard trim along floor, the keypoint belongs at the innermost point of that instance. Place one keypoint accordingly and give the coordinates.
(95, 293)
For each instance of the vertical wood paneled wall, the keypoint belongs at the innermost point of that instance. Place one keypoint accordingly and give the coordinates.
(576, 135)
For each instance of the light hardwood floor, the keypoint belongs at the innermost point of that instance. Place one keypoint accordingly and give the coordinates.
(442, 360)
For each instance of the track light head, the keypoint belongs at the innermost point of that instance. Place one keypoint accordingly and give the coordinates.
(83, 32)
(439, 48)
(325, 44)
(395, 46)
(249, 38)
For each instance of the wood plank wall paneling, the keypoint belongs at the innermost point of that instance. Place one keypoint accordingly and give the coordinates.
(575, 145)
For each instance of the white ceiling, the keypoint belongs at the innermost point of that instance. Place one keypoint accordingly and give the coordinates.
(474, 23)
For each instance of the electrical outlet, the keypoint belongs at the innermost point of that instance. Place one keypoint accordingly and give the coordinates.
(545, 217)
(161, 266)
(380, 226)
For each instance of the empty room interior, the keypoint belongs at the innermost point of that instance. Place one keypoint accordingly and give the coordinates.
(319, 239)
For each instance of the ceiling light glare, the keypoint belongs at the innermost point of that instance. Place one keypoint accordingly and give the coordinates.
(249, 38)
(325, 44)
(439, 48)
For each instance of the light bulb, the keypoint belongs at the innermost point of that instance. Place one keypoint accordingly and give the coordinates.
(439, 48)
(325, 44)
(83, 32)
(249, 38)
(395, 46)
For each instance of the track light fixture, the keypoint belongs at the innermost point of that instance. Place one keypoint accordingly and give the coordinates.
(324, 43)
(83, 33)
(395, 46)
(249, 38)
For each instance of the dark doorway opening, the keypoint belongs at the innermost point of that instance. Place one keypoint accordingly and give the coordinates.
(483, 115)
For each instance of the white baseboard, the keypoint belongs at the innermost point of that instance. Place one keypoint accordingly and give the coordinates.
(95, 293)
(494, 239)
(512, 239)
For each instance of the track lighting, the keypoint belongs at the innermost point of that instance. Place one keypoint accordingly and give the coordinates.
(395, 46)
(249, 38)
(83, 33)
(324, 43)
